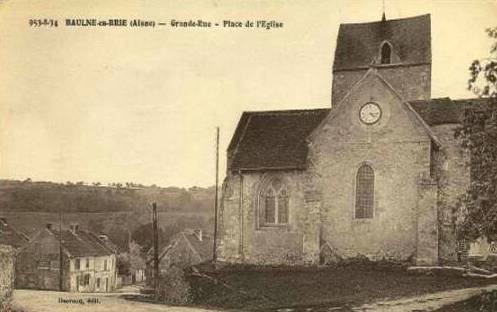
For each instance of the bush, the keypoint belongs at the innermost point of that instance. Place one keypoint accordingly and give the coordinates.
(174, 287)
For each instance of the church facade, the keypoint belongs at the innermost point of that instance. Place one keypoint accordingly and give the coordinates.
(376, 175)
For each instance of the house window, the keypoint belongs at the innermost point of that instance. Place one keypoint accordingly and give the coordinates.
(87, 263)
(86, 280)
(77, 264)
(105, 265)
(364, 201)
(386, 53)
(54, 265)
(98, 282)
(274, 200)
(43, 265)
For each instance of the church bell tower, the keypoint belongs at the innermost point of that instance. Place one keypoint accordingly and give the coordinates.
(399, 49)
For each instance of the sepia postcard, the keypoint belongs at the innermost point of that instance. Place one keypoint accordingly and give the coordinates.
(248, 155)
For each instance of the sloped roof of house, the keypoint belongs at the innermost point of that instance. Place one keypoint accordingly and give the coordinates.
(11, 236)
(203, 248)
(358, 44)
(82, 244)
(273, 139)
(277, 139)
(445, 110)
(106, 241)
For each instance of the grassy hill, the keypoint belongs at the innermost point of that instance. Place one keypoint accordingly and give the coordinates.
(55, 197)
(117, 210)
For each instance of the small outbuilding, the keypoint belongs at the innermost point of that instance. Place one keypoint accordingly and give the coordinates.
(189, 247)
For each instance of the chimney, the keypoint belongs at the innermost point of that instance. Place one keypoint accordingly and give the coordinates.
(3, 221)
(198, 233)
(74, 228)
(49, 226)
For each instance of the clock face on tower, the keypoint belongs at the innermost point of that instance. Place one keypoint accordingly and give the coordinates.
(370, 113)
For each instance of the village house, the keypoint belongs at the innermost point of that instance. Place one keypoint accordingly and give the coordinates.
(377, 175)
(9, 235)
(88, 261)
(189, 247)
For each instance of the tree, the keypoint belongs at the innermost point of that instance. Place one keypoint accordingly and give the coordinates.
(119, 236)
(478, 135)
(123, 264)
(143, 236)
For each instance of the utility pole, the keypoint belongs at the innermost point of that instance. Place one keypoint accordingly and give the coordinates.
(61, 265)
(214, 255)
(156, 250)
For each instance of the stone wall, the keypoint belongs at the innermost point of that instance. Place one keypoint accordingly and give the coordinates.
(249, 242)
(228, 245)
(343, 81)
(96, 271)
(412, 82)
(397, 148)
(7, 273)
(454, 178)
(427, 222)
(322, 203)
(38, 264)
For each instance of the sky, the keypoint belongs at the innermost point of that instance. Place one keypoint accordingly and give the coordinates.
(142, 105)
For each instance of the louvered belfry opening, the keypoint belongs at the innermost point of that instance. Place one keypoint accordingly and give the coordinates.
(364, 203)
(386, 53)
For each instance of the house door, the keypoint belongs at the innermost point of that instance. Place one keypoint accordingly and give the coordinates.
(77, 283)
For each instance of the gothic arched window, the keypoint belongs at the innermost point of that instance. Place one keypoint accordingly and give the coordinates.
(274, 203)
(364, 198)
(386, 53)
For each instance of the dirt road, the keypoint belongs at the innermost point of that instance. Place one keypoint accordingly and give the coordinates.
(429, 302)
(52, 301)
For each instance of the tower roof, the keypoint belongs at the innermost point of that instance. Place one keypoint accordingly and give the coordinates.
(358, 44)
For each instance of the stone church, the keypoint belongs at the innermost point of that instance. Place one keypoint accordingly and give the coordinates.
(376, 175)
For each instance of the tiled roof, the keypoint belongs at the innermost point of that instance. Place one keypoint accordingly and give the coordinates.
(277, 139)
(359, 44)
(83, 244)
(203, 247)
(10, 236)
(273, 139)
(444, 110)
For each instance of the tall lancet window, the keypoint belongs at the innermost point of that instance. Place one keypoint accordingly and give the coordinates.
(386, 53)
(274, 200)
(364, 198)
